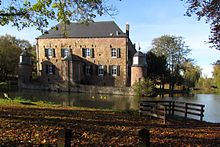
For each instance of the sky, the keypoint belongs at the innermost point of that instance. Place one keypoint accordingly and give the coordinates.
(149, 19)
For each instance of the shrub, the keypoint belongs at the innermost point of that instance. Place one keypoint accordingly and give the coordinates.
(144, 88)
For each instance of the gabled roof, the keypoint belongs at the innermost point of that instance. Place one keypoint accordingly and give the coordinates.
(91, 30)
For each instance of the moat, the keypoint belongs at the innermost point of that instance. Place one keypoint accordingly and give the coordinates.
(118, 102)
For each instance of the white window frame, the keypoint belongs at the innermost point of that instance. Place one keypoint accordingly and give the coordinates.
(65, 52)
(88, 53)
(114, 52)
(50, 52)
(114, 70)
(100, 70)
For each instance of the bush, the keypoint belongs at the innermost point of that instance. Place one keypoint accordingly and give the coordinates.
(144, 88)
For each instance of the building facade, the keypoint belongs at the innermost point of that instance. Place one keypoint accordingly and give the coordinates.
(99, 53)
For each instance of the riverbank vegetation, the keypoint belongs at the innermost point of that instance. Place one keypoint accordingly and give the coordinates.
(27, 125)
(168, 64)
(18, 101)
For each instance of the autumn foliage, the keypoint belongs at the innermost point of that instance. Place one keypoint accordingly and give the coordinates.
(34, 126)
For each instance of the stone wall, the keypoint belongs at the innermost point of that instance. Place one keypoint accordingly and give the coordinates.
(79, 88)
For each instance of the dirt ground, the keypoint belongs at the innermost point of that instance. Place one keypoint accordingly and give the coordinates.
(34, 126)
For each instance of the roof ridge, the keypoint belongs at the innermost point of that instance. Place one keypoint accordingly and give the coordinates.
(93, 29)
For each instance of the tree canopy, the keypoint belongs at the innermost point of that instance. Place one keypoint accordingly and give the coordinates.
(191, 74)
(10, 49)
(216, 73)
(173, 50)
(38, 13)
(210, 10)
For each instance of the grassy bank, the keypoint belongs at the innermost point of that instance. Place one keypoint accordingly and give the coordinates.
(37, 125)
(18, 101)
(207, 91)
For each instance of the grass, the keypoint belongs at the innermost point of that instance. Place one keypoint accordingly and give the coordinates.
(207, 91)
(22, 101)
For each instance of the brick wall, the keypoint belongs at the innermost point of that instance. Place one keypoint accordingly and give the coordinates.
(102, 56)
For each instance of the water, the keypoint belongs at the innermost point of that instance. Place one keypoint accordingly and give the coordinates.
(117, 102)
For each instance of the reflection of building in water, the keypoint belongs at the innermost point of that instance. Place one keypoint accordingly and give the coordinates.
(134, 104)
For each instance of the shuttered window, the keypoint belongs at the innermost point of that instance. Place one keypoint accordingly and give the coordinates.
(115, 52)
(88, 70)
(102, 70)
(114, 70)
(88, 52)
(65, 52)
(49, 52)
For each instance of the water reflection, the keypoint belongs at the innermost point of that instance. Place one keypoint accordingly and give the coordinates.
(117, 102)
(100, 101)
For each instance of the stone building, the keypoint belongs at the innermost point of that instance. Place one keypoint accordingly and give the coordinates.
(98, 53)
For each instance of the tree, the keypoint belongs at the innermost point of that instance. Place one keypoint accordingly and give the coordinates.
(210, 9)
(205, 83)
(191, 74)
(157, 68)
(39, 13)
(216, 73)
(10, 49)
(175, 51)
(144, 88)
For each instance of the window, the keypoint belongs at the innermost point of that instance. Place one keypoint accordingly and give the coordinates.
(50, 69)
(114, 70)
(115, 52)
(88, 52)
(65, 52)
(49, 52)
(100, 70)
(88, 70)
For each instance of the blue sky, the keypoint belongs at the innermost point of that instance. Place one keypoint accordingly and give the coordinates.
(149, 19)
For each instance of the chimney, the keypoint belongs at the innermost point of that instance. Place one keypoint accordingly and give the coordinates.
(127, 29)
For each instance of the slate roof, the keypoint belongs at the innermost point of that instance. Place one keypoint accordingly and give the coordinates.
(139, 54)
(91, 30)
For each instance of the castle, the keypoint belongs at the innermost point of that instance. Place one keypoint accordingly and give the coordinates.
(98, 53)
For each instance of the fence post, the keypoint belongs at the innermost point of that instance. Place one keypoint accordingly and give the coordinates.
(65, 137)
(144, 137)
(68, 137)
(186, 108)
(173, 106)
(202, 111)
(170, 107)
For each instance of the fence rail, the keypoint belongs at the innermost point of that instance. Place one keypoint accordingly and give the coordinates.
(161, 109)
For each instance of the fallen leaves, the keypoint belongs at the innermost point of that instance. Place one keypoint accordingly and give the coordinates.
(34, 126)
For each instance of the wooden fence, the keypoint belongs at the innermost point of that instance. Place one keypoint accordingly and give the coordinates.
(162, 109)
